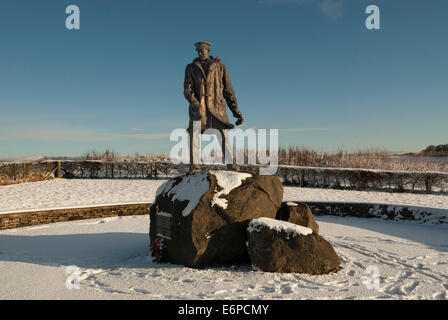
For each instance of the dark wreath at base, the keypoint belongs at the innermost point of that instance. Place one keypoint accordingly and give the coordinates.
(158, 249)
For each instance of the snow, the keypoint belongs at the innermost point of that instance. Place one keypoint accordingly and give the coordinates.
(277, 225)
(191, 188)
(114, 263)
(227, 180)
(292, 204)
(165, 186)
(73, 193)
(352, 196)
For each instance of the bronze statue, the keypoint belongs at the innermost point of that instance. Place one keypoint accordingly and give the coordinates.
(208, 89)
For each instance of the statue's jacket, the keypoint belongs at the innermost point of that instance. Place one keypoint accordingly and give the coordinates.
(209, 92)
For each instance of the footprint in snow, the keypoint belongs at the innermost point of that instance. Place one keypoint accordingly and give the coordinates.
(142, 291)
(286, 289)
(187, 281)
(268, 289)
(410, 286)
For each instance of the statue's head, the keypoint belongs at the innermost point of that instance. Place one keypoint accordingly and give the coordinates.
(203, 49)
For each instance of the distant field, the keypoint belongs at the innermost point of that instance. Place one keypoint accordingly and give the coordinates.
(21, 159)
(438, 159)
(369, 159)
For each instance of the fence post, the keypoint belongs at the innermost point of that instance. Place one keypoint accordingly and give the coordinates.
(59, 174)
(13, 172)
(302, 177)
(428, 185)
(151, 168)
(400, 184)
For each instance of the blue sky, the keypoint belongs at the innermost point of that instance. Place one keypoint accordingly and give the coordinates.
(307, 67)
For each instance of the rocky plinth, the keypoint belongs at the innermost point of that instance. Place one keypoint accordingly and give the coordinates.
(203, 216)
(226, 217)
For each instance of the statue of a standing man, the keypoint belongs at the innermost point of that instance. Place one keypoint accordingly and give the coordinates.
(207, 88)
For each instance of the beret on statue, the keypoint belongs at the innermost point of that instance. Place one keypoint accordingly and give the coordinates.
(202, 44)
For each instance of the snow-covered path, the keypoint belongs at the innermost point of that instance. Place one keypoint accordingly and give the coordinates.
(113, 260)
(63, 193)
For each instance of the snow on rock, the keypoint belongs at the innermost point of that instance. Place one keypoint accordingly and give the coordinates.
(278, 225)
(167, 185)
(227, 180)
(192, 187)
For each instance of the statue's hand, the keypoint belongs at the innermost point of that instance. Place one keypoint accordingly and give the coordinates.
(240, 119)
(195, 112)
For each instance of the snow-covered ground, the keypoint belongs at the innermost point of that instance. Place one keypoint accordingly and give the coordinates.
(63, 193)
(114, 263)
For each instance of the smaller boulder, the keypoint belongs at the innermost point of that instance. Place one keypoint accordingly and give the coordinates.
(297, 213)
(279, 246)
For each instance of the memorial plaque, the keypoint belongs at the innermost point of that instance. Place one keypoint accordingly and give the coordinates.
(164, 222)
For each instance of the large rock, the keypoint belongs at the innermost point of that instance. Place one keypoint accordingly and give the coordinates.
(203, 216)
(279, 246)
(297, 213)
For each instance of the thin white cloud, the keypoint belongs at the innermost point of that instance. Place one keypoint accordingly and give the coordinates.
(77, 135)
(143, 136)
(70, 135)
(57, 135)
(306, 129)
(330, 8)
